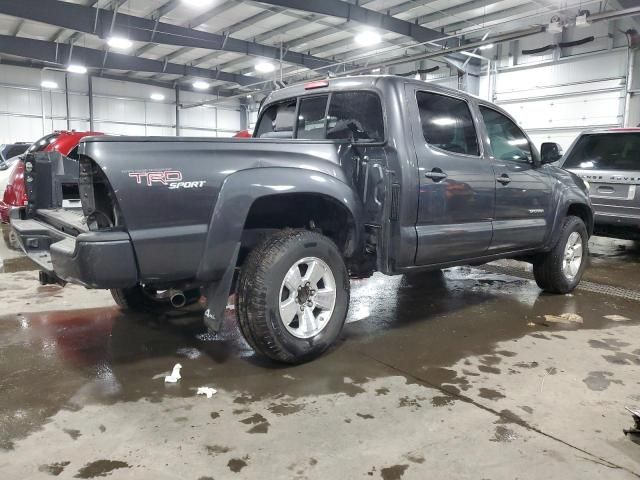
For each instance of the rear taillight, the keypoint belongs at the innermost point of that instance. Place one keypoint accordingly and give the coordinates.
(16, 192)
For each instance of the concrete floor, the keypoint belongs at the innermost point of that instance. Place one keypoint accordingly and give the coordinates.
(454, 375)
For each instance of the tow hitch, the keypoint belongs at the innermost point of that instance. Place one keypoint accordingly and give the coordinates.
(48, 279)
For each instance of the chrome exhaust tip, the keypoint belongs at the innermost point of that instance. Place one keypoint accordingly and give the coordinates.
(177, 299)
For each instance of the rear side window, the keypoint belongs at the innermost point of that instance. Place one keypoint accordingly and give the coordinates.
(277, 121)
(612, 151)
(312, 118)
(447, 123)
(355, 115)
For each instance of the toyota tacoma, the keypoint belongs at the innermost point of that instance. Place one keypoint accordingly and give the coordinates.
(343, 177)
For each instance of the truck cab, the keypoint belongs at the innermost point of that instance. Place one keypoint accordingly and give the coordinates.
(445, 178)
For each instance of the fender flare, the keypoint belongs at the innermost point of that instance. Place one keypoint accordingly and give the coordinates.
(561, 213)
(238, 193)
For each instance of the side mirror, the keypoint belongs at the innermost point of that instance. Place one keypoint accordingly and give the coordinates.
(550, 152)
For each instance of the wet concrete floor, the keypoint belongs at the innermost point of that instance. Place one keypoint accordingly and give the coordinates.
(461, 374)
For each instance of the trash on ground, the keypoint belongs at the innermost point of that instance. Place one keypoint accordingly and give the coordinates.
(208, 391)
(175, 374)
(617, 318)
(635, 413)
(564, 318)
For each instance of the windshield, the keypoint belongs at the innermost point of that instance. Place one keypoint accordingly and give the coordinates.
(605, 151)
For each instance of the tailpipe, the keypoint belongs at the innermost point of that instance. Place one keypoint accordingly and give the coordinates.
(177, 298)
(182, 298)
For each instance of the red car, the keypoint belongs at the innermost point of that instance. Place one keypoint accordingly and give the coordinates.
(15, 194)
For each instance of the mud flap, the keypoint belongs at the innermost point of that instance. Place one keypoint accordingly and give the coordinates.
(217, 294)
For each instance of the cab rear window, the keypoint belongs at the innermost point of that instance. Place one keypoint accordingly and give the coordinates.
(355, 116)
(605, 151)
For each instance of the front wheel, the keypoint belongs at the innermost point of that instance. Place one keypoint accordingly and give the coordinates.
(560, 270)
(293, 296)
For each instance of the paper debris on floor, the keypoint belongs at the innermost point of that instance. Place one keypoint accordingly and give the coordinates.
(175, 374)
(208, 391)
(617, 318)
(564, 318)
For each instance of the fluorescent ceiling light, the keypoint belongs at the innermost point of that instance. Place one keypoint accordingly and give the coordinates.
(77, 69)
(200, 85)
(264, 67)
(49, 84)
(157, 96)
(198, 3)
(368, 38)
(486, 47)
(119, 43)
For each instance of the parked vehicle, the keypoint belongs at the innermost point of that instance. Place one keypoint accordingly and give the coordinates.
(344, 177)
(12, 180)
(243, 134)
(9, 153)
(610, 161)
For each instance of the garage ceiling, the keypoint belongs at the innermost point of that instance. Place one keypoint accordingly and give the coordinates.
(178, 41)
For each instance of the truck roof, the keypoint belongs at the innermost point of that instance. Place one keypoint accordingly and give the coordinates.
(359, 82)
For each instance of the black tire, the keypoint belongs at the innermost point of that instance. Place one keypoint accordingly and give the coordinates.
(259, 290)
(548, 267)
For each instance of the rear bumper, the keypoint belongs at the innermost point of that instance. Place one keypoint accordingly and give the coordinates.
(618, 226)
(4, 211)
(617, 220)
(94, 260)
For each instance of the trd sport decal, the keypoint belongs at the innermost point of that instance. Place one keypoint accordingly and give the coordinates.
(168, 177)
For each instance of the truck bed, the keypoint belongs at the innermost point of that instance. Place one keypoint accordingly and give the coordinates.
(67, 220)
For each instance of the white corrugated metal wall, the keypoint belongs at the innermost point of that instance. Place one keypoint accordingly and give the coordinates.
(556, 95)
(27, 111)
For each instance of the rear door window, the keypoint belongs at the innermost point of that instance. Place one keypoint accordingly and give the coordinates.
(447, 123)
(605, 151)
(312, 118)
(355, 116)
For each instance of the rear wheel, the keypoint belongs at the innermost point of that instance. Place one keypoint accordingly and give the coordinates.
(293, 296)
(560, 270)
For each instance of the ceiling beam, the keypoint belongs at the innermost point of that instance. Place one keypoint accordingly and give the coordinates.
(165, 8)
(121, 78)
(83, 19)
(358, 14)
(62, 54)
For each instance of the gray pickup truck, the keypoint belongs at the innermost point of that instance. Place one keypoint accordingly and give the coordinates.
(343, 178)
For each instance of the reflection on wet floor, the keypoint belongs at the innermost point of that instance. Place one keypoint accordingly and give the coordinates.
(104, 355)
(17, 264)
(438, 329)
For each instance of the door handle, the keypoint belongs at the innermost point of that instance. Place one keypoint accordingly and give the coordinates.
(436, 175)
(503, 179)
